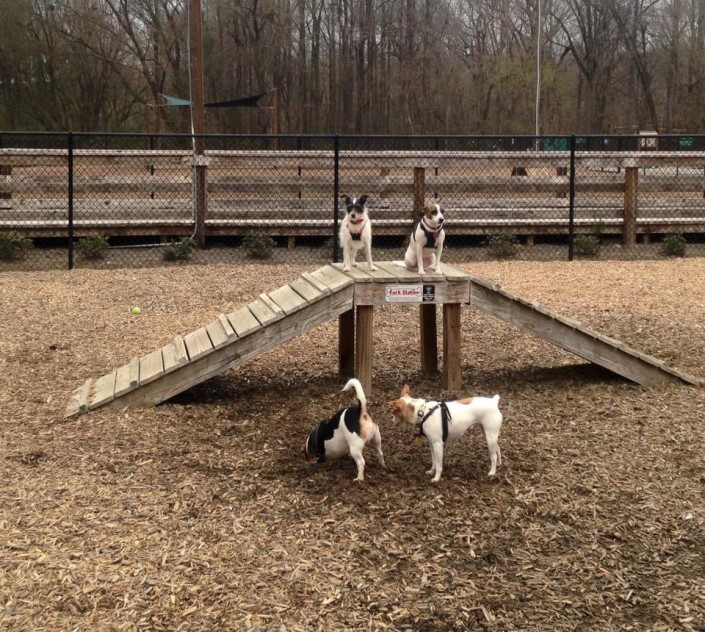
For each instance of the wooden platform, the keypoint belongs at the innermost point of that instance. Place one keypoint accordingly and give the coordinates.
(317, 297)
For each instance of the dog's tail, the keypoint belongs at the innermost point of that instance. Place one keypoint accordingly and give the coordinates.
(355, 383)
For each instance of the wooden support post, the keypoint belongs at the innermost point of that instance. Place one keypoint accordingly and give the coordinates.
(346, 344)
(6, 194)
(363, 346)
(631, 187)
(419, 192)
(274, 123)
(451, 346)
(429, 341)
(291, 242)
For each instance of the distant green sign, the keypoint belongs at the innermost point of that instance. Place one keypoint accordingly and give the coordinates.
(555, 144)
(686, 142)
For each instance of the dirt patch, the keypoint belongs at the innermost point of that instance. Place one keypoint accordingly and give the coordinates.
(199, 514)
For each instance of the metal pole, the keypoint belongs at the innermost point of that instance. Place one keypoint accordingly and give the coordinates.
(336, 193)
(70, 196)
(571, 200)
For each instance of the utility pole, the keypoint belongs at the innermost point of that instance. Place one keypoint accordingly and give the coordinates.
(197, 120)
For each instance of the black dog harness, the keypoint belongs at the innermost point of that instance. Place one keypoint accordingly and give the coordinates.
(431, 235)
(445, 419)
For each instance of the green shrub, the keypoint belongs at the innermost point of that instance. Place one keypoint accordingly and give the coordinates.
(13, 246)
(587, 245)
(674, 246)
(502, 245)
(259, 246)
(179, 250)
(92, 247)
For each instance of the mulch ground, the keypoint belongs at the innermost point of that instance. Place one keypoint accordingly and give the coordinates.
(200, 514)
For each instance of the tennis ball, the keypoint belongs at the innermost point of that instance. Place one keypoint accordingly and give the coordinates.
(136, 310)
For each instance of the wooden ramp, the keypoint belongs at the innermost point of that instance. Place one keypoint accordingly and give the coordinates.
(227, 342)
(327, 293)
(572, 336)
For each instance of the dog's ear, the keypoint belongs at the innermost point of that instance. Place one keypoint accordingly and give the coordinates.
(362, 200)
(405, 391)
(347, 199)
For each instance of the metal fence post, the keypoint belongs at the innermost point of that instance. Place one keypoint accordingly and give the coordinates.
(70, 197)
(336, 193)
(571, 200)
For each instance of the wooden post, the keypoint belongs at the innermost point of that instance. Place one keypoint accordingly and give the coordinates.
(451, 346)
(429, 341)
(419, 192)
(275, 117)
(363, 346)
(198, 121)
(6, 170)
(631, 187)
(346, 344)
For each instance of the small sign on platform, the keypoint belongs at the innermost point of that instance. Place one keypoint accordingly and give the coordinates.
(410, 293)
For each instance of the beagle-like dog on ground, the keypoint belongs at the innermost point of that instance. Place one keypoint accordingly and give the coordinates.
(346, 432)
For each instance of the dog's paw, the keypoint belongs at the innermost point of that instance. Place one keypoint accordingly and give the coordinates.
(431, 471)
(346, 268)
(373, 267)
(358, 480)
(436, 479)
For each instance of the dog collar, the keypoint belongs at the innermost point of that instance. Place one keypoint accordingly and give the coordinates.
(435, 230)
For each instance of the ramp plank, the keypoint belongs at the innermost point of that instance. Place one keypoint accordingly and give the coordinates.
(198, 344)
(151, 367)
(217, 334)
(453, 273)
(332, 278)
(263, 313)
(400, 273)
(380, 274)
(243, 321)
(174, 355)
(316, 283)
(127, 377)
(227, 327)
(360, 276)
(78, 402)
(303, 288)
(103, 390)
(272, 305)
(287, 299)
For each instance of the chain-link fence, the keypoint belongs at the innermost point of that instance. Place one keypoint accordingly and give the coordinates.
(104, 200)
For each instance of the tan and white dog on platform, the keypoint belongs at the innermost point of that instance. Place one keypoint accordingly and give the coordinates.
(355, 232)
(426, 242)
(441, 421)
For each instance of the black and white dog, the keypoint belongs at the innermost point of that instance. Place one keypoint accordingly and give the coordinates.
(346, 432)
(426, 242)
(356, 232)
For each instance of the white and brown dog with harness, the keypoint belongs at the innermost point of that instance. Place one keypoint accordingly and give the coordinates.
(426, 242)
(346, 432)
(441, 421)
(356, 232)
